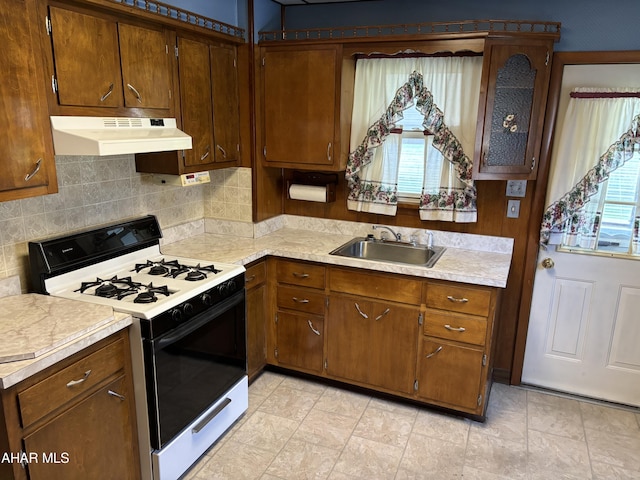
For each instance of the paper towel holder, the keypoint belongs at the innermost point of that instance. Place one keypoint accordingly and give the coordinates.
(321, 179)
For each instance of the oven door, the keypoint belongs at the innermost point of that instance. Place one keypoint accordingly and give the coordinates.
(190, 367)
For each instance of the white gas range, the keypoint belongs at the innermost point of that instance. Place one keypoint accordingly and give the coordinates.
(188, 335)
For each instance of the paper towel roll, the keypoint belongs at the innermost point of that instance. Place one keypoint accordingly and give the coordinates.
(310, 193)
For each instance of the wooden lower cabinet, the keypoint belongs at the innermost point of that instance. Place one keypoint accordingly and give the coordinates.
(75, 419)
(86, 441)
(372, 342)
(426, 340)
(256, 287)
(450, 374)
(300, 340)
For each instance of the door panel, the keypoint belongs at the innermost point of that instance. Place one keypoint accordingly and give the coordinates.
(568, 320)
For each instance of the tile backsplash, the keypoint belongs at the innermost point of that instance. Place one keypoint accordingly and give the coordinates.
(99, 190)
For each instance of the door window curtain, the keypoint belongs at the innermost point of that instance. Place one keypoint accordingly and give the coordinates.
(599, 133)
(445, 90)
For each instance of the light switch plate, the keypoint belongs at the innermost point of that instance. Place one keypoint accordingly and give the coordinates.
(516, 188)
(513, 209)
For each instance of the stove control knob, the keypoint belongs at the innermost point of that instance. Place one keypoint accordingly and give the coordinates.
(187, 308)
(176, 315)
(206, 299)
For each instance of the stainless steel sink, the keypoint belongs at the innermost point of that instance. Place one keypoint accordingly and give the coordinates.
(390, 251)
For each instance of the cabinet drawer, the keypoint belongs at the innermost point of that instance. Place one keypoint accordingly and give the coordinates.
(453, 326)
(303, 274)
(382, 286)
(301, 299)
(48, 395)
(255, 275)
(457, 298)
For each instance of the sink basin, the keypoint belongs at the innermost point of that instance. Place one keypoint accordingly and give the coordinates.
(392, 252)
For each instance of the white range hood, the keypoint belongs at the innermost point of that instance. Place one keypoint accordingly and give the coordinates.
(116, 136)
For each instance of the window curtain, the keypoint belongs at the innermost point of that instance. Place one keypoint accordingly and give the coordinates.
(598, 135)
(383, 89)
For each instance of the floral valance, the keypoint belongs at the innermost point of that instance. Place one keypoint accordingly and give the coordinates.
(567, 213)
(457, 204)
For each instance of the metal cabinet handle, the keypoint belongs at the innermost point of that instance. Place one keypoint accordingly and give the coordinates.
(433, 353)
(117, 395)
(206, 154)
(317, 332)
(329, 152)
(224, 154)
(77, 382)
(454, 329)
(109, 92)
(383, 314)
(250, 279)
(135, 92)
(364, 315)
(457, 300)
(29, 176)
(300, 275)
(300, 300)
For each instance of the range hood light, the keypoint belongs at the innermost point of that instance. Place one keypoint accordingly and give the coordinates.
(116, 136)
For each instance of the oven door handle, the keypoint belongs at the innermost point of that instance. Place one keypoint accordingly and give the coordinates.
(198, 321)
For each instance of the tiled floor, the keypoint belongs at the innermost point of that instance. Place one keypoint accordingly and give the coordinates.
(297, 429)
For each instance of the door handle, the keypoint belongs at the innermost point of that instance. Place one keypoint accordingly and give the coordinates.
(548, 263)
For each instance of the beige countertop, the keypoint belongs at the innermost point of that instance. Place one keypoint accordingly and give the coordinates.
(487, 265)
(38, 331)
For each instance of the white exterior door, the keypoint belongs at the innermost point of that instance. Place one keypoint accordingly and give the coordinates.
(584, 327)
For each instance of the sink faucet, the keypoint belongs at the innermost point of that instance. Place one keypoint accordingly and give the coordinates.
(397, 236)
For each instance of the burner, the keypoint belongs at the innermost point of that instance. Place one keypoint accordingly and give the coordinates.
(157, 268)
(194, 274)
(109, 288)
(149, 295)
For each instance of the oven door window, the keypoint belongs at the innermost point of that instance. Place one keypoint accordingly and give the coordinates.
(192, 366)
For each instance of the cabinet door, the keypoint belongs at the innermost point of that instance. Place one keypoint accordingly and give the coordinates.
(146, 70)
(26, 151)
(372, 342)
(516, 94)
(226, 110)
(450, 374)
(300, 106)
(299, 340)
(195, 99)
(86, 58)
(256, 336)
(93, 439)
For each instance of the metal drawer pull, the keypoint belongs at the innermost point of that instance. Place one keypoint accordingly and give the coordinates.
(211, 416)
(300, 300)
(29, 176)
(117, 395)
(455, 329)
(77, 382)
(224, 154)
(250, 279)
(300, 275)
(433, 353)
(206, 154)
(383, 314)
(313, 329)
(109, 92)
(135, 92)
(457, 300)
(364, 315)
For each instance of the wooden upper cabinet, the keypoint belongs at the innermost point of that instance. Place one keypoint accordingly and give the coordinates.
(512, 105)
(301, 100)
(195, 101)
(145, 67)
(26, 151)
(100, 62)
(226, 110)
